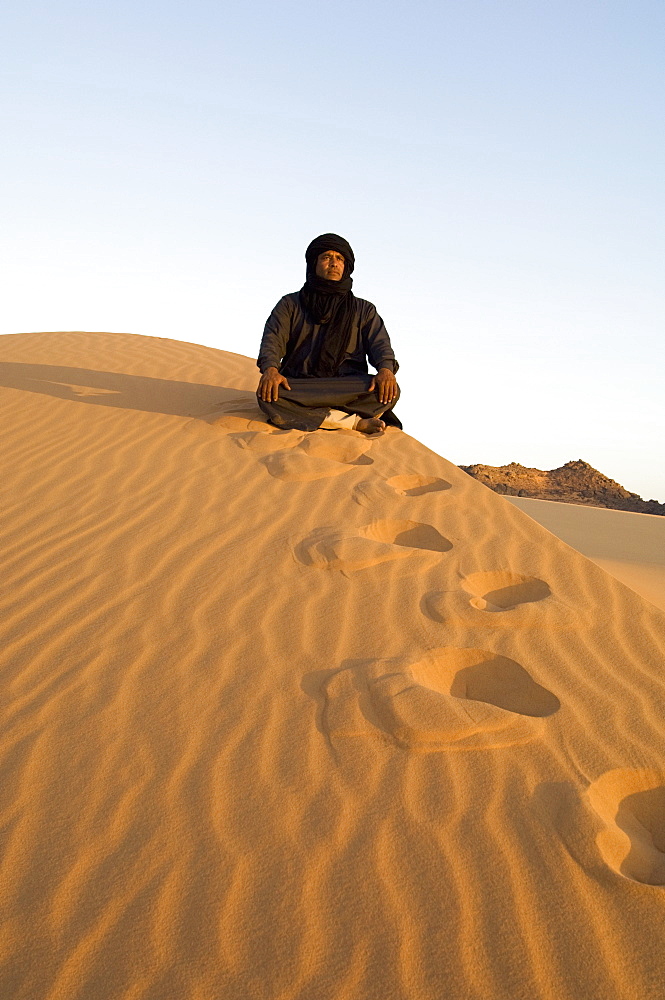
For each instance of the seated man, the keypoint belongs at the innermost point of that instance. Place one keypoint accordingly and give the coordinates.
(314, 351)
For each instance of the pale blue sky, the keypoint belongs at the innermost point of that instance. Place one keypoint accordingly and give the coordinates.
(498, 167)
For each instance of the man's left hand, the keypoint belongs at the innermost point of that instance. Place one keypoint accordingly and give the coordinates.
(385, 384)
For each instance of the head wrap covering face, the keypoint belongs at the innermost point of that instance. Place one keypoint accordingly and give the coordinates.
(330, 241)
(329, 303)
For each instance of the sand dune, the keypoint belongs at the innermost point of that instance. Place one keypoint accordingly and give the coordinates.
(629, 546)
(304, 717)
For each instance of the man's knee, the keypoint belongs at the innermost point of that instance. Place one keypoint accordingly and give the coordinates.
(393, 401)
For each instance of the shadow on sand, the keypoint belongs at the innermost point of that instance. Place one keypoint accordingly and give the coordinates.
(128, 392)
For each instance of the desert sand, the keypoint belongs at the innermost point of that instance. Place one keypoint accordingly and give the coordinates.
(629, 546)
(295, 717)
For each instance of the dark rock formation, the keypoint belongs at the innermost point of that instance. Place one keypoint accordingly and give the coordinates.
(574, 482)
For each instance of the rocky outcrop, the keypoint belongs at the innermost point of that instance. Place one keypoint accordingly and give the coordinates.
(574, 482)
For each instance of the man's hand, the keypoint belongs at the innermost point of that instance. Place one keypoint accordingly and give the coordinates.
(385, 384)
(269, 385)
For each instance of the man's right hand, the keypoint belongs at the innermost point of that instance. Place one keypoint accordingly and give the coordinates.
(268, 389)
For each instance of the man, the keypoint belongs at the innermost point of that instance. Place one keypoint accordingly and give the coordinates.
(314, 351)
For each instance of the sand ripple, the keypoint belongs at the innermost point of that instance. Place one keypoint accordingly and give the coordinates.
(272, 731)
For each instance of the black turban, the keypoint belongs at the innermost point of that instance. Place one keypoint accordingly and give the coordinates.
(329, 303)
(330, 241)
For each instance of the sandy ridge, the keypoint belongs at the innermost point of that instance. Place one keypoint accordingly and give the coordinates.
(355, 735)
(628, 545)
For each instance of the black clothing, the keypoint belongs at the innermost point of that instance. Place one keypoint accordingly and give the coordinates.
(309, 400)
(291, 340)
(329, 303)
(320, 339)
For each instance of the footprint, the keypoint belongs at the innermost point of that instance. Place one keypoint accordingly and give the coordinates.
(264, 442)
(371, 492)
(480, 675)
(631, 804)
(338, 446)
(412, 534)
(463, 699)
(502, 591)
(297, 466)
(452, 606)
(316, 455)
(375, 543)
(326, 549)
(420, 718)
(415, 486)
(452, 699)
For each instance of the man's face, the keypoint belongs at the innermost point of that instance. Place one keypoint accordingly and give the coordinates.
(330, 265)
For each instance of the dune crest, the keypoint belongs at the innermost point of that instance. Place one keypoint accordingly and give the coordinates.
(304, 717)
